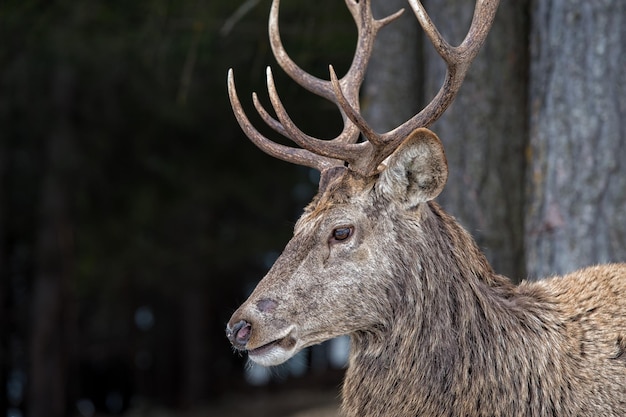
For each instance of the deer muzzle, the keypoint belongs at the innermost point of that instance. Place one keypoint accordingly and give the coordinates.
(265, 345)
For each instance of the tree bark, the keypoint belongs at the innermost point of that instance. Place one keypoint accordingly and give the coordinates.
(485, 130)
(577, 174)
(50, 342)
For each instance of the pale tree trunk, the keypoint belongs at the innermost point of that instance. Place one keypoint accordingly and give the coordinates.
(485, 130)
(51, 339)
(576, 212)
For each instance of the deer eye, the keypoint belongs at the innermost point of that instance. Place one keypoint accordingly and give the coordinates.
(341, 233)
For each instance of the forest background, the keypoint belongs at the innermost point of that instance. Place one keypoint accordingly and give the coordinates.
(135, 216)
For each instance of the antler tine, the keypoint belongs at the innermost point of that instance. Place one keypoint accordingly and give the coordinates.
(351, 112)
(367, 29)
(349, 129)
(285, 153)
(269, 120)
(328, 148)
(458, 60)
(306, 80)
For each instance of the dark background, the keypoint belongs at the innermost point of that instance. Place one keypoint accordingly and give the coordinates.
(135, 216)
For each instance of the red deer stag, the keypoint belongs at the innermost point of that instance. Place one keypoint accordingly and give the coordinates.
(434, 330)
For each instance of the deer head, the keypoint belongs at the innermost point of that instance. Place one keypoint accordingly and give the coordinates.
(337, 274)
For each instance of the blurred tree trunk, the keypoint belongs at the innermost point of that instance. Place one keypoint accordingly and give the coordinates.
(577, 176)
(484, 131)
(195, 346)
(50, 342)
(5, 312)
(189, 225)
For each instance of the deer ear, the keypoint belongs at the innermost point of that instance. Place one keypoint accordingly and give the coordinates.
(417, 171)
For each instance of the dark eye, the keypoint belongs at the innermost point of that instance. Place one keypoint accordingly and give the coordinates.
(342, 233)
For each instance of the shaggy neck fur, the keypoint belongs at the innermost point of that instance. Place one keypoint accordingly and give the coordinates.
(447, 347)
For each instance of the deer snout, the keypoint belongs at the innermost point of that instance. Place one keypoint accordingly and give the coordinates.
(239, 334)
(249, 323)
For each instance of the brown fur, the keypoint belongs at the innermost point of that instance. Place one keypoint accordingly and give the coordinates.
(479, 346)
(435, 332)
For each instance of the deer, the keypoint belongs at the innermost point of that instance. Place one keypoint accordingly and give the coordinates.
(434, 330)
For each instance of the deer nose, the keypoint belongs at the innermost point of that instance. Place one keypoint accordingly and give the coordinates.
(239, 334)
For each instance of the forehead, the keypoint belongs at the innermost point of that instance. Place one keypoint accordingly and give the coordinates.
(343, 189)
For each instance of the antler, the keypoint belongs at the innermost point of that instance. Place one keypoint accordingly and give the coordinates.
(363, 157)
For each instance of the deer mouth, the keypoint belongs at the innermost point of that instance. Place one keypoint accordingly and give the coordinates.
(275, 352)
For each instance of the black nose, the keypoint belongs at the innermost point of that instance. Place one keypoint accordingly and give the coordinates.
(239, 334)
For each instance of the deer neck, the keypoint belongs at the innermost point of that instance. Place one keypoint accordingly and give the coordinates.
(456, 320)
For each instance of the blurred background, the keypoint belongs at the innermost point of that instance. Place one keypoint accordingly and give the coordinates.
(135, 216)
